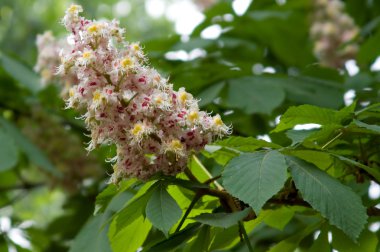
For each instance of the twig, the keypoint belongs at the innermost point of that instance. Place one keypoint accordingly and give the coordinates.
(188, 210)
(332, 140)
(373, 211)
(212, 179)
(245, 236)
(24, 186)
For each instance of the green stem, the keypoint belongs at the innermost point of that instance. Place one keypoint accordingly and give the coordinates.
(188, 210)
(245, 236)
(216, 183)
(367, 108)
(332, 140)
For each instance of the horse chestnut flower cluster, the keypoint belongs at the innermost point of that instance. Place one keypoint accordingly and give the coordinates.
(333, 32)
(127, 103)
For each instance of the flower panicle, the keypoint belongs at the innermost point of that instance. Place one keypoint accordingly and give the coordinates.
(334, 33)
(129, 104)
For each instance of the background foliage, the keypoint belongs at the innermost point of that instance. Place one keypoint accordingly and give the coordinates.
(308, 188)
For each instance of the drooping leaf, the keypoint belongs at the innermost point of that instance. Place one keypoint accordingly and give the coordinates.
(224, 220)
(372, 171)
(329, 197)
(133, 210)
(92, 237)
(175, 240)
(245, 144)
(8, 152)
(162, 210)
(21, 73)
(371, 127)
(309, 114)
(34, 154)
(255, 177)
(105, 197)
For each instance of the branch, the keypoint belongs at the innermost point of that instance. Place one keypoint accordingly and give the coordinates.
(25, 186)
(373, 211)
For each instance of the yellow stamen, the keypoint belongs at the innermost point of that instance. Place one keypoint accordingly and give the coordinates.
(176, 145)
(183, 97)
(93, 28)
(218, 121)
(71, 92)
(158, 100)
(97, 96)
(136, 47)
(86, 55)
(126, 62)
(137, 129)
(73, 8)
(193, 116)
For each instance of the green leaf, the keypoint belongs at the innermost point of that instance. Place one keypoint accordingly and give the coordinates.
(321, 159)
(278, 218)
(290, 244)
(201, 242)
(321, 244)
(367, 241)
(105, 197)
(21, 73)
(329, 197)
(255, 177)
(133, 210)
(252, 96)
(220, 154)
(8, 152)
(224, 220)
(245, 144)
(92, 238)
(223, 238)
(309, 114)
(162, 210)
(372, 171)
(371, 127)
(369, 50)
(298, 136)
(209, 94)
(132, 237)
(175, 240)
(34, 154)
(196, 168)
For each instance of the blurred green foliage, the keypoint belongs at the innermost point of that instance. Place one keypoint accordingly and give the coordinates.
(49, 186)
